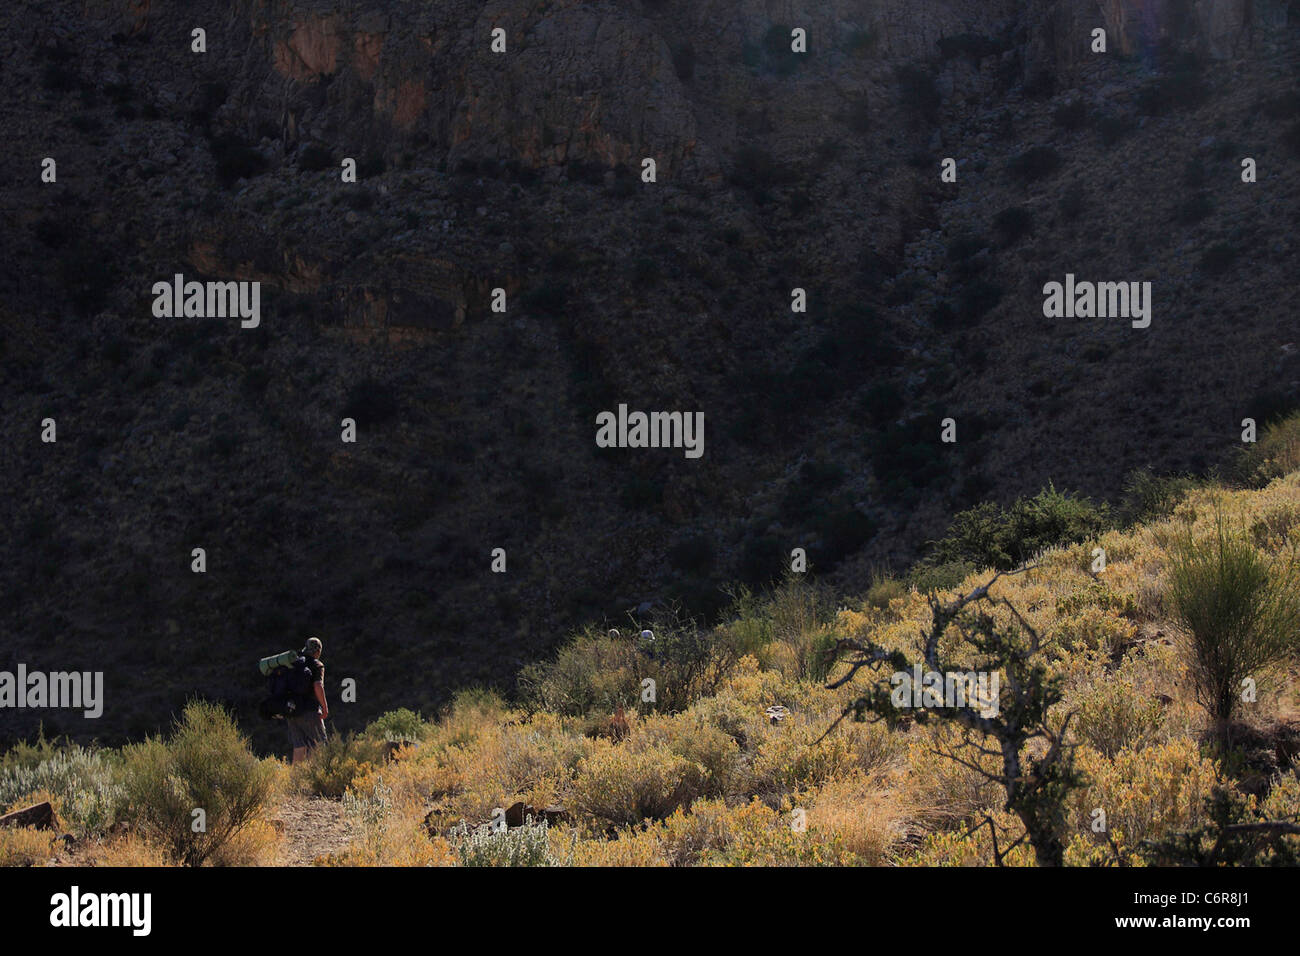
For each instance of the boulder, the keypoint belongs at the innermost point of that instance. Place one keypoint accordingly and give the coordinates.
(553, 815)
(39, 816)
(518, 814)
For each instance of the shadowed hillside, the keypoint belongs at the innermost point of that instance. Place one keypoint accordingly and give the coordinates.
(522, 171)
(738, 755)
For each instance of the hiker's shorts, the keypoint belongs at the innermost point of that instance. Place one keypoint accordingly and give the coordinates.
(306, 730)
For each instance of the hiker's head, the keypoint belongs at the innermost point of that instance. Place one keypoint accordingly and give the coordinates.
(312, 648)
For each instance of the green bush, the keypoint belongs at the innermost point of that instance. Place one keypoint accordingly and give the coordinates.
(334, 764)
(87, 784)
(401, 724)
(1149, 497)
(1275, 453)
(688, 662)
(593, 672)
(799, 606)
(1275, 527)
(884, 589)
(625, 786)
(597, 673)
(207, 765)
(929, 578)
(989, 536)
(1117, 715)
(748, 623)
(819, 656)
(1240, 609)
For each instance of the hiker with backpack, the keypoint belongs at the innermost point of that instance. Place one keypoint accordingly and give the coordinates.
(297, 685)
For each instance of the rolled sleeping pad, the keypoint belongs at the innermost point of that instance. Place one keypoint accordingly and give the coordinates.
(283, 659)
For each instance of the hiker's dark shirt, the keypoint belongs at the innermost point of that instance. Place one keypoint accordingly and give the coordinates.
(317, 677)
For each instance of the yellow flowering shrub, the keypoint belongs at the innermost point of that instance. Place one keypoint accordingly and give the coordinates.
(973, 845)
(623, 785)
(761, 836)
(1143, 794)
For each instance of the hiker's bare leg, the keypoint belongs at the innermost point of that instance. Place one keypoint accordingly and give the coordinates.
(299, 754)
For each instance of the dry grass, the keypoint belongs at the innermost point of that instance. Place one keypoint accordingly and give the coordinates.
(23, 846)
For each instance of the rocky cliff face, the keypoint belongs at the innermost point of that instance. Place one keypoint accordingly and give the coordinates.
(521, 171)
(592, 82)
(1059, 32)
(611, 82)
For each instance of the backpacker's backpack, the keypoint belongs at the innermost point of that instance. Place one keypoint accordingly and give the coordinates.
(290, 687)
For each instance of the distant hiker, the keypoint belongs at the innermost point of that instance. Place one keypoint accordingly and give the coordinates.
(307, 724)
(296, 682)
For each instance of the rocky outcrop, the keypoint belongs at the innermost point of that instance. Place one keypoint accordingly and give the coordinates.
(311, 50)
(587, 82)
(1060, 31)
(610, 83)
(607, 82)
(39, 816)
(520, 814)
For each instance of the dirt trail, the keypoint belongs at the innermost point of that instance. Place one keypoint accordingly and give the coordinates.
(313, 826)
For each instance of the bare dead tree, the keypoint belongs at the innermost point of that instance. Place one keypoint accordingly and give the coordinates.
(1035, 785)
